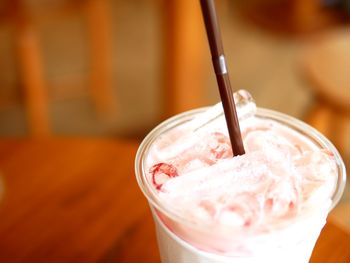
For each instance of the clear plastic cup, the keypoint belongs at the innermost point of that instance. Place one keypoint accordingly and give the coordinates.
(180, 240)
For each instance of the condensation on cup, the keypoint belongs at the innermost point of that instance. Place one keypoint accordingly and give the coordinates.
(266, 206)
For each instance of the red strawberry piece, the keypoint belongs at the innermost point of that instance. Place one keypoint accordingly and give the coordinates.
(219, 146)
(161, 172)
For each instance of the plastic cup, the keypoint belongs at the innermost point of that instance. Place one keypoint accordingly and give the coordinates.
(180, 240)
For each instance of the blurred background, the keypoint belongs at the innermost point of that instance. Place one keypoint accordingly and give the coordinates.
(116, 68)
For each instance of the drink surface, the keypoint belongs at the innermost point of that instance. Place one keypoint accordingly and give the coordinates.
(283, 179)
(268, 205)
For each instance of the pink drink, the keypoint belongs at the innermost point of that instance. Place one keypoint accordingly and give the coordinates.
(268, 205)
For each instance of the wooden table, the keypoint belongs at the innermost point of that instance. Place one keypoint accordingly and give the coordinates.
(77, 200)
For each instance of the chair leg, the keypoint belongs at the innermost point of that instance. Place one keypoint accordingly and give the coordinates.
(319, 117)
(185, 49)
(333, 124)
(305, 13)
(101, 87)
(31, 68)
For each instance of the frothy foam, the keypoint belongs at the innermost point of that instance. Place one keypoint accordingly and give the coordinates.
(281, 179)
(284, 179)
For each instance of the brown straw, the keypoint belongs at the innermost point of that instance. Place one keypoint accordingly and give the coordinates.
(217, 52)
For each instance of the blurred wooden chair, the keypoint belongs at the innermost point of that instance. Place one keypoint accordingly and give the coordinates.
(326, 64)
(29, 55)
(184, 44)
(185, 52)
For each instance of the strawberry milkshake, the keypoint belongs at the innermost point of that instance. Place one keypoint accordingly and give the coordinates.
(268, 205)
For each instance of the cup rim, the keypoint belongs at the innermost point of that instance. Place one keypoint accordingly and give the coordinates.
(289, 121)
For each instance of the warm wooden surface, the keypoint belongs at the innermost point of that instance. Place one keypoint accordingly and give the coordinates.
(77, 200)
